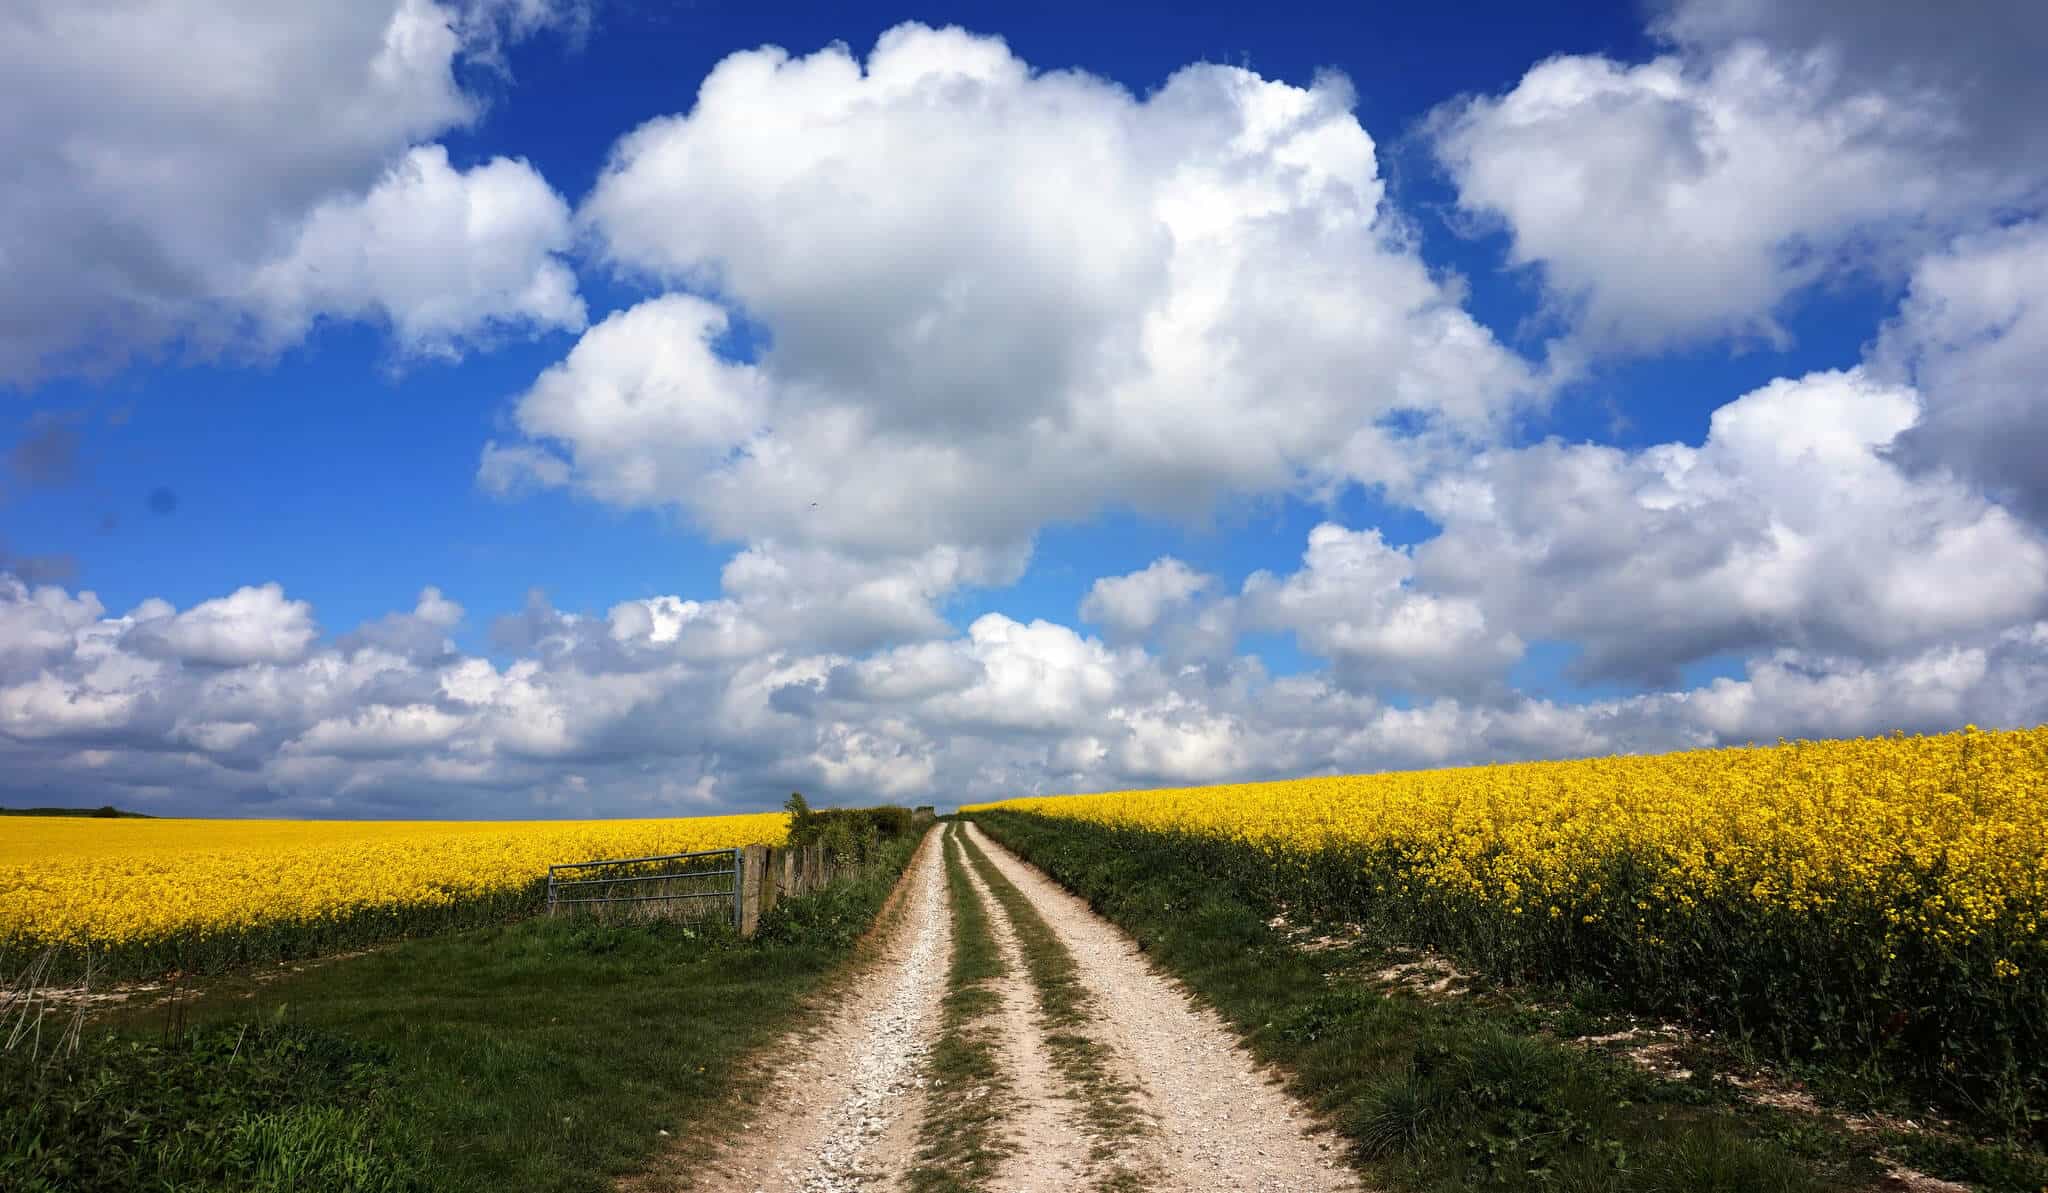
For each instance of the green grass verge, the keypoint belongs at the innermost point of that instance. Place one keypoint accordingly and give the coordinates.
(268, 1106)
(542, 1055)
(1109, 1105)
(960, 1143)
(1432, 1096)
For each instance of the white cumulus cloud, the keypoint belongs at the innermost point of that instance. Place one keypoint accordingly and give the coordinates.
(256, 624)
(1792, 525)
(1690, 197)
(165, 159)
(441, 255)
(1131, 605)
(995, 298)
(1354, 602)
(1972, 336)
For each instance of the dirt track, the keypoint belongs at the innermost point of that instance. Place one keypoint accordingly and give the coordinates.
(843, 1113)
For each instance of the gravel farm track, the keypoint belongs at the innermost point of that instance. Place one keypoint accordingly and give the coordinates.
(842, 1112)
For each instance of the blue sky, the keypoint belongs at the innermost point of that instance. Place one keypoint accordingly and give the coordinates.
(1155, 396)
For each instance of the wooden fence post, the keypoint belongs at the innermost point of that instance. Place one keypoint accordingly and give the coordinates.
(752, 876)
(768, 890)
(814, 867)
(788, 859)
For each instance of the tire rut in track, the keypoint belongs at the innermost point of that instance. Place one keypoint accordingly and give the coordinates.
(1052, 1145)
(840, 1116)
(1224, 1122)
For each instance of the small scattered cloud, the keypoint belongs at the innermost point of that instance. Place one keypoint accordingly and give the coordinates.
(47, 457)
(39, 569)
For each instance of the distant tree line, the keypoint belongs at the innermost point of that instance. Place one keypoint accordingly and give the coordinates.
(107, 812)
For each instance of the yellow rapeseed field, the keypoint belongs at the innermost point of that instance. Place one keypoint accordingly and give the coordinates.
(1879, 902)
(1874, 901)
(1945, 836)
(120, 883)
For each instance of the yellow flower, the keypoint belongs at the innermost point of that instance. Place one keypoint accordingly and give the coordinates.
(1836, 829)
(70, 880)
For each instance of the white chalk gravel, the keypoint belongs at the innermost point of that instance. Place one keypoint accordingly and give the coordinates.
(841, 1114)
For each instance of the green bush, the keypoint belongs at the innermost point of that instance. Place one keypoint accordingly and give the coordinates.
(848, 834)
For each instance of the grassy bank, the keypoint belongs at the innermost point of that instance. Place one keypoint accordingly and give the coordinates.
(1434, 1094)
(541, 1055)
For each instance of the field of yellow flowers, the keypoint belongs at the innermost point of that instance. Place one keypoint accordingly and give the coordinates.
(148, 895)
(1874, 902)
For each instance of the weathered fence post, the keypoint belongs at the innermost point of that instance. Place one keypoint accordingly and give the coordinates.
(787, 856)
(770, 889)
(814, 867)
(752, 877)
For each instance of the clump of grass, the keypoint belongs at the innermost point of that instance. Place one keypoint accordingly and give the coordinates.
(1995, 1168)
(960, 1142)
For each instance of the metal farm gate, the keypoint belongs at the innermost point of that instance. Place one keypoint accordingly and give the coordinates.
(704, 883)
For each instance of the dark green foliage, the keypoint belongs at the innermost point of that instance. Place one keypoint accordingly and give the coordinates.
(228, 1107)
(848, 834)
(1447, 1095)
(1991, 1168)
(837, 916)
(104, 812)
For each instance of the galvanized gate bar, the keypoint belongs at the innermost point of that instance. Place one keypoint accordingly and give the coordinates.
(648, 898)
(628, 861)
(557, 884)
(645, 878)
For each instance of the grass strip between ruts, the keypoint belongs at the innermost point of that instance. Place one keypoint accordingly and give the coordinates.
(960, 1144)
(1108, 1103)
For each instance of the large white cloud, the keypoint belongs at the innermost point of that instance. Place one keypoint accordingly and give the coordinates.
(629, 713)
(250, 625)
(1354, 602)
(440, 255)
(1790, 526)
(159, 154)
(995, 298)
(1131, 605)
(1983, 60)
(925, 304)
(1972, 335)
(1689, 197)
